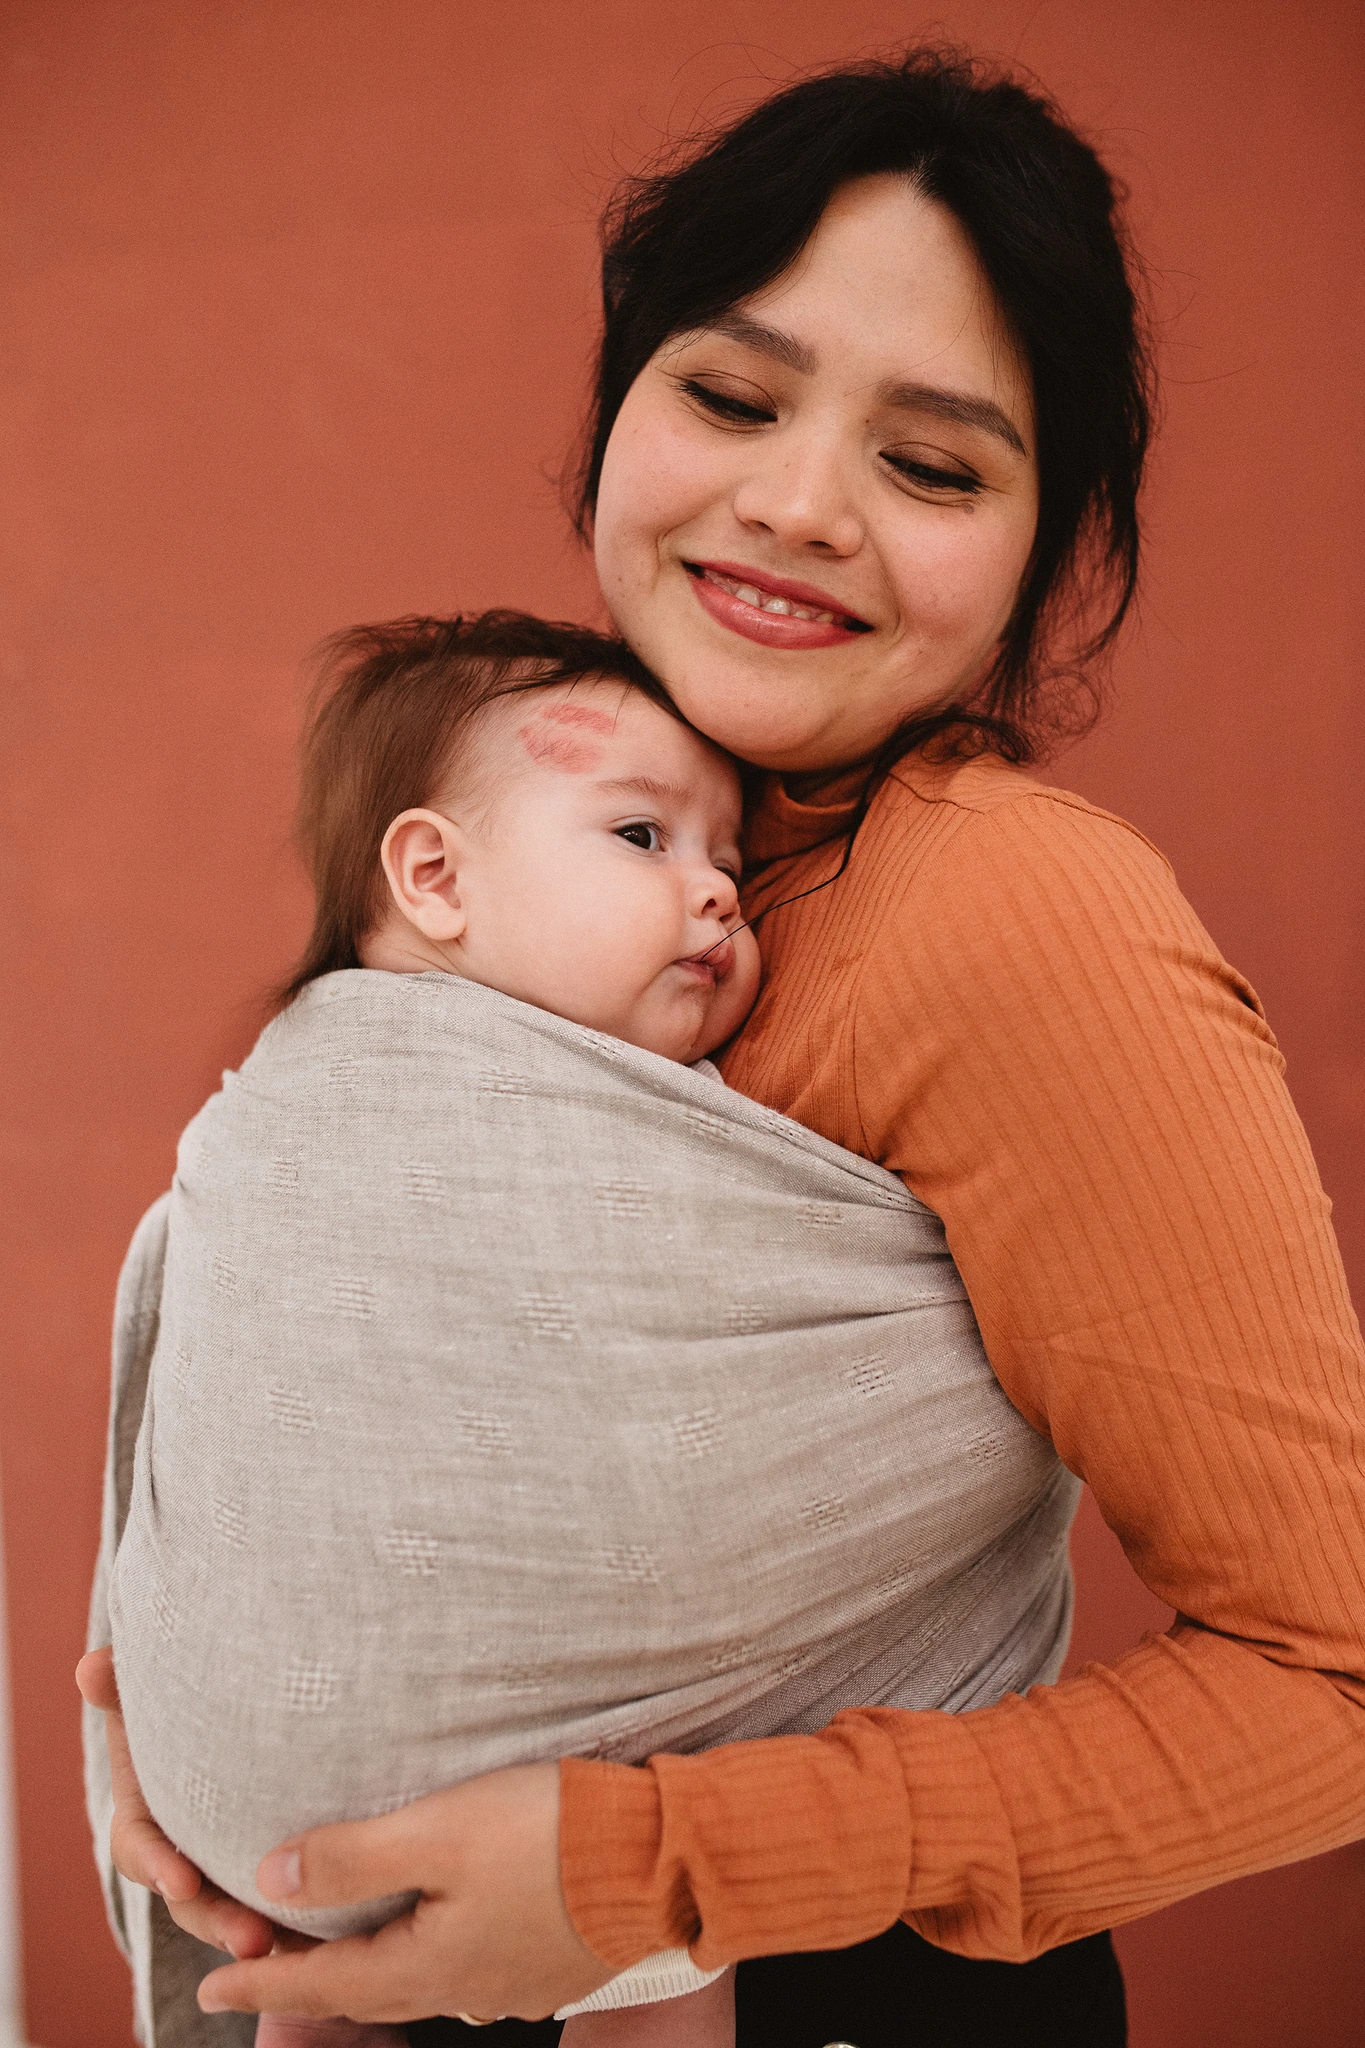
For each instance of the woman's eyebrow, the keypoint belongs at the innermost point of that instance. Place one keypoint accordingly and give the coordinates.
(768, 341)
(958, 406)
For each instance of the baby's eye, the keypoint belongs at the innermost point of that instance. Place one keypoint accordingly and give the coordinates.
(642, 834)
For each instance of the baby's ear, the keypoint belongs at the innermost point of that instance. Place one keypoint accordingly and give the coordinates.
(422, 855)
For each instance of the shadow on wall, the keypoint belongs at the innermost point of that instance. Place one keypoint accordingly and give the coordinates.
(11, 2017)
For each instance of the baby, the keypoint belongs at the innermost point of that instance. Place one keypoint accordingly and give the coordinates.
(577, 848)
(519, 805)
(502, 1376)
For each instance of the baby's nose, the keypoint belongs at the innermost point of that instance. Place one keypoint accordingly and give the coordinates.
(718, 894)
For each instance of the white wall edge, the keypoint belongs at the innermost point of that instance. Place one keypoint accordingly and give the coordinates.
(11, 1987)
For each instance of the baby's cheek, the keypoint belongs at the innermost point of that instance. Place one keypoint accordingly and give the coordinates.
(738, 994)
(748, 969)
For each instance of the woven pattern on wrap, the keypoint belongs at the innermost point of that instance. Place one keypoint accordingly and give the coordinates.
(517, 1393)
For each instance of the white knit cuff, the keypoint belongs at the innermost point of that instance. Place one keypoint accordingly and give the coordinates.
(669, 1974)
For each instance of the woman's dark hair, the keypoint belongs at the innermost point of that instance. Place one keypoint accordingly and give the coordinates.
(388, 711)
(683, 245)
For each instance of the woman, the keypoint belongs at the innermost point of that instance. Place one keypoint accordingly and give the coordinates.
(862, 482)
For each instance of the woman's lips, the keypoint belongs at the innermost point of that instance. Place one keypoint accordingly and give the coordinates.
(770, 609)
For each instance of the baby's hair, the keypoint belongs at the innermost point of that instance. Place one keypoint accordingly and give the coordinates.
(386, 716)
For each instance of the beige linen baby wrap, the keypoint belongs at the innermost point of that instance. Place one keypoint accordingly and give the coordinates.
(511, 1392)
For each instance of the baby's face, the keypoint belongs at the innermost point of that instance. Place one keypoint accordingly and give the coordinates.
(601, 880)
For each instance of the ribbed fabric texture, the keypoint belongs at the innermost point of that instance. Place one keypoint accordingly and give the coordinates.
(1007, 1002)
(670, 1974)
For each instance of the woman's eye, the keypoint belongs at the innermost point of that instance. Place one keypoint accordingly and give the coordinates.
(931, 478)
(646, 837)
(724, 405)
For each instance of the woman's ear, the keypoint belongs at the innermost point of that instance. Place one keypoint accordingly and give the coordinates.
(422, 857)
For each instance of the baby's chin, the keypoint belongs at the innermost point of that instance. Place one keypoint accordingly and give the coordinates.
(689, 1023)
(669, 1041)
(698, 1040)
(721, 1027)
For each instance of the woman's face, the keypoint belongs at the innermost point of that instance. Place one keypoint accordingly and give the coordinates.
(815, 514)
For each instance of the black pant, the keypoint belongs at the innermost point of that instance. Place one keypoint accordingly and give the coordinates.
(895, 1992)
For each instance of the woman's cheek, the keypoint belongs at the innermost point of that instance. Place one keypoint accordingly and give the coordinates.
(656, 480)
(959, 581)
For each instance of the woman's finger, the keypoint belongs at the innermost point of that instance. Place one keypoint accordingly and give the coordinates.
(426, 1846)
(348, 1862)
(368, 1977)
(402, 1972)
(222, 1922)
(143, 1854)
(96, 1682)
(490, 1933)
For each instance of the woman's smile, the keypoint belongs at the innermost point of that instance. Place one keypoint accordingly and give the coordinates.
(773, 610)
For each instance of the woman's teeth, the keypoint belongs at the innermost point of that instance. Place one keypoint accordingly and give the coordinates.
(748, 593)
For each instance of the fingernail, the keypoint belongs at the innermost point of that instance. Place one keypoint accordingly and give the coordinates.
(280, 1875)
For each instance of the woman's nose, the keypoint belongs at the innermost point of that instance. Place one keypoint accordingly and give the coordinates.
(797, 490)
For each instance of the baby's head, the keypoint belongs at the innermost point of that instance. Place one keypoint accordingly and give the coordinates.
(519, 803)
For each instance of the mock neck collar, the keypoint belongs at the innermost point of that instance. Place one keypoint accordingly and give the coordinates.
(780, 824)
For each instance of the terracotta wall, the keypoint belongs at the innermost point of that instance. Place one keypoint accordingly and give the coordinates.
(298, 298)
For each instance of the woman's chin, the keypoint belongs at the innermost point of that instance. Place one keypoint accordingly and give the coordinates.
(767, 730)
(780, 751)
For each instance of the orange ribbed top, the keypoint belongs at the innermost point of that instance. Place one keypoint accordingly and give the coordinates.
(1007, 1002)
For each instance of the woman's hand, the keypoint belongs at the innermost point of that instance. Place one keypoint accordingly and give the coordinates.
(143, 1854)
(490, 1935)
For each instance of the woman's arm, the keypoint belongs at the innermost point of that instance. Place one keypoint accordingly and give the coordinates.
(1051, 1051)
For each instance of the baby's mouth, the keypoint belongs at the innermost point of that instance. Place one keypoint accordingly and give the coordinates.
(714, 964)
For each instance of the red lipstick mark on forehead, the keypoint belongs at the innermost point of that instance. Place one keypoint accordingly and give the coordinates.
(581, 715)
(558, 737)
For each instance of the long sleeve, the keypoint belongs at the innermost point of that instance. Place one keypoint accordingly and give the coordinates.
(1040, 1037)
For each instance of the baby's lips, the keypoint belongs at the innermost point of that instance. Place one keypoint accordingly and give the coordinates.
(720, 958)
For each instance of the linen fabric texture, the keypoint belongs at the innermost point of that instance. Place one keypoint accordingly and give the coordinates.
(513, 1393)
(1007, 1001)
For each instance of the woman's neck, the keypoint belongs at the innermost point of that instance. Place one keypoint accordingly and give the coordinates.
(826, 788)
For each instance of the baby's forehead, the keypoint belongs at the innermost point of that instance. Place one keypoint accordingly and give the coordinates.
(573, 726)
(603, 730)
